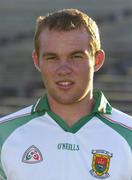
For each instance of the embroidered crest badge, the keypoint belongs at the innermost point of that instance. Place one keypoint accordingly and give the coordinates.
(100, 164)
(32, 155)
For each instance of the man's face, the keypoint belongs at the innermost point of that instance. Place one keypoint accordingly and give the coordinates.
(65, 64)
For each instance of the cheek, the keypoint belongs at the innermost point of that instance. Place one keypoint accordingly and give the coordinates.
(47, 75)
(45, 68)
(86, 71)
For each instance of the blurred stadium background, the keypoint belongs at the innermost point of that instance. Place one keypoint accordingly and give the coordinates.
(20, 83)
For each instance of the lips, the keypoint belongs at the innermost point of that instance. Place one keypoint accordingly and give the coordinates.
(65, 84)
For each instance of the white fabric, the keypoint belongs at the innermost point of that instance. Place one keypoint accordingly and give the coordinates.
(65, 155)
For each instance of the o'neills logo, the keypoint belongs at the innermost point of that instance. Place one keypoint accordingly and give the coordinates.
(100, 164)
(67, 146)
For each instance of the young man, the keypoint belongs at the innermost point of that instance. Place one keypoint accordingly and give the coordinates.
(72, 132)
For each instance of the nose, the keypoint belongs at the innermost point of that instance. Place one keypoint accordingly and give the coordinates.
(64, 69)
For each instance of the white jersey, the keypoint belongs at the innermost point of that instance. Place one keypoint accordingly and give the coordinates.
(36, 144)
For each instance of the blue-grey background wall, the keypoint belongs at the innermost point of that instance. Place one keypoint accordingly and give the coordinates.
(20, 83)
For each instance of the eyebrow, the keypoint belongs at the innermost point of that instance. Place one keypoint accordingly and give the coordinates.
(78, 52)
(83, 52)
(48, 54)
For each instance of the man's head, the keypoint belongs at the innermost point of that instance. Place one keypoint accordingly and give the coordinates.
(67, 53)
(66, 20)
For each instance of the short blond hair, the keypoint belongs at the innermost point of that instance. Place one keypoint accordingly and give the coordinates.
(66, 20)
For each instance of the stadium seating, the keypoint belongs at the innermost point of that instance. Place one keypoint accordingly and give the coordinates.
(20, 83)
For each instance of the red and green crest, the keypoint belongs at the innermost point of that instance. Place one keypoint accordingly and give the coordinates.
(32, 155)
(100, 163)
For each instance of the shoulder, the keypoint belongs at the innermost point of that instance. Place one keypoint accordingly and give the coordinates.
(120, 122)
(120, 118)
(16, 115)
(10, 123)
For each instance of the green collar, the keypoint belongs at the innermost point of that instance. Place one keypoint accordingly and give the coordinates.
(101, 105)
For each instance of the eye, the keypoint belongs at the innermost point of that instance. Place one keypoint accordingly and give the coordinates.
(48, 58)
(77, 56)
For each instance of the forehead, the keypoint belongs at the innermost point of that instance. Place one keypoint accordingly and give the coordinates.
(52, 39)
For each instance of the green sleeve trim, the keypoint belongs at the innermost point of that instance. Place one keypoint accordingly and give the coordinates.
(2, 174)
(124, 132)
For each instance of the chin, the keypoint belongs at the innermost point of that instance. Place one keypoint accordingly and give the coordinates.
(67, 101)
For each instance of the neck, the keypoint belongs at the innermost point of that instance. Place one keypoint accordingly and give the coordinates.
(71, 113)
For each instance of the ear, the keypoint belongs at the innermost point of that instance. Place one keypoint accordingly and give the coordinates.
(36, 60)
(99, 60)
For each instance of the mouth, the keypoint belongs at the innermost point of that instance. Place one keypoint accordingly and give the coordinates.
(65, 85)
